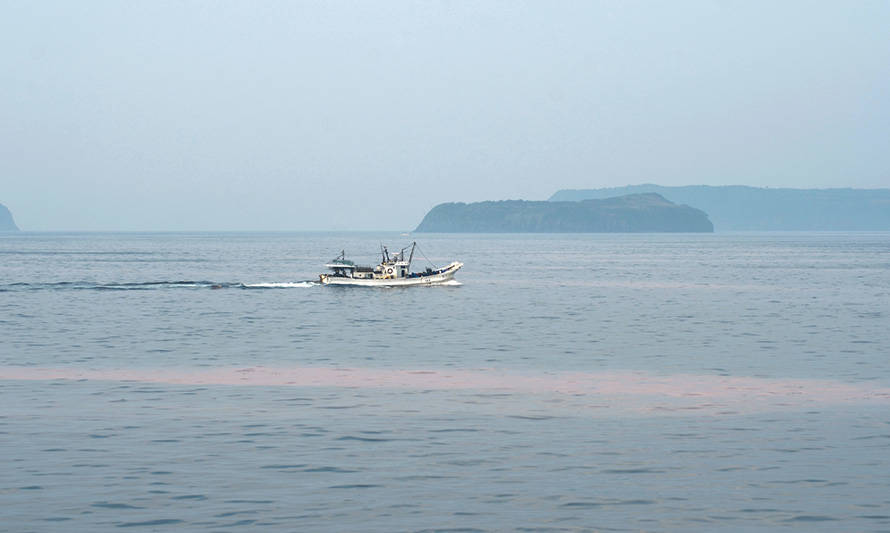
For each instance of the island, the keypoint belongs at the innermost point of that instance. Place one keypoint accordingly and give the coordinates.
(742, 208)
(6, 221)
(633, 213)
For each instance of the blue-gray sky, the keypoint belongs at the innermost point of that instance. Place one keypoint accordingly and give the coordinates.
(156, 115)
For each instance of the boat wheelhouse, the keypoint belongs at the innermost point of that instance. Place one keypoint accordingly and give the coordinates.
(393, 270)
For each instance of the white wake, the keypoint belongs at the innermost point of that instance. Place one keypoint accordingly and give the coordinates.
(281, 285)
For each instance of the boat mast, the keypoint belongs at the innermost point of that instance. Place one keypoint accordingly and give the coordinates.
(410, 257)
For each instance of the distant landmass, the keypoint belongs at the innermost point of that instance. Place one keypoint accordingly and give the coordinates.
(634, 213)
(6, 221)
(740, 208)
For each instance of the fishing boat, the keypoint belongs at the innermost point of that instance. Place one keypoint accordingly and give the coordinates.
(393, 270)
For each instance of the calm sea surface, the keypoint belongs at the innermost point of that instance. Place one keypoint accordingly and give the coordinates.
(569, 383)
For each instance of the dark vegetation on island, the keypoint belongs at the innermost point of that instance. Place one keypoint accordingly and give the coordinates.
(635, 213)
(6, 221)
(741, 208)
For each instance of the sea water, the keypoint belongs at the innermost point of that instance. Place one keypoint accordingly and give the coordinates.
(565, 383)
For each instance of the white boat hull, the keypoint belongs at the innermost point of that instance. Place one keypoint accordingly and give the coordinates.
(433, 279)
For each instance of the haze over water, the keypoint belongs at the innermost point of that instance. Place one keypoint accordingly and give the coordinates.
(570, 382)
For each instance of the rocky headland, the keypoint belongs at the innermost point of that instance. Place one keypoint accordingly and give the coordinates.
(634, 213)
(6, 221)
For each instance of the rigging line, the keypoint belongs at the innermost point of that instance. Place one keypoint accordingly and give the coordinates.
(425, 257)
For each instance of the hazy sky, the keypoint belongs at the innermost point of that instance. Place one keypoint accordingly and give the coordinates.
(362, 115)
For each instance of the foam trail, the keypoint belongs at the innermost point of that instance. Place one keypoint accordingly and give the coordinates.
(148, 285)
(279, 285)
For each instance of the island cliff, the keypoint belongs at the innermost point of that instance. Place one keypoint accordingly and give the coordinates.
(6, 221)
(741, 208)
(635, 213)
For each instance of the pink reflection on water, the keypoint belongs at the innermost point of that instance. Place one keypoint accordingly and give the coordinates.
(634, 391)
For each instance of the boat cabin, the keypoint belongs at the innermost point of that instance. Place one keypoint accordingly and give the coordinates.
(392, 266)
